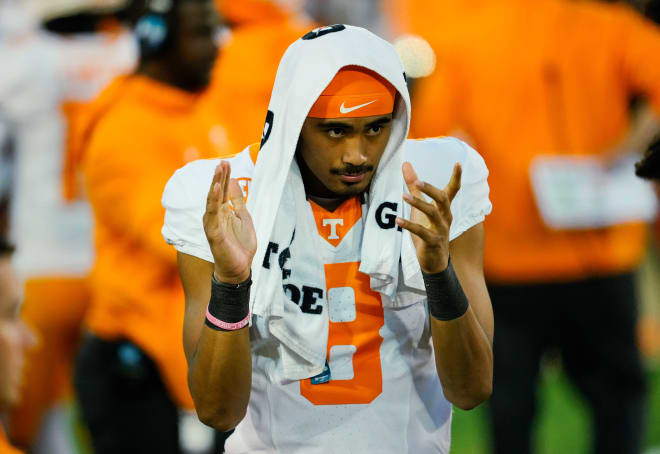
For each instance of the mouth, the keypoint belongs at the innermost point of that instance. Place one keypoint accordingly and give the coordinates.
(353, 177)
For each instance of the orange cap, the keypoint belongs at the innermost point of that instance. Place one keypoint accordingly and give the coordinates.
(355, 92)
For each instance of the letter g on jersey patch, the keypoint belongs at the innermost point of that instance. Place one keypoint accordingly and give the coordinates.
(318, 32)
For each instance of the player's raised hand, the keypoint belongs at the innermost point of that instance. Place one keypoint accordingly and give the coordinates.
(230, 232)
(430, 221)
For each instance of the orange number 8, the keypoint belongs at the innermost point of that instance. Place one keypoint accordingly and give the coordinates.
(362, 333)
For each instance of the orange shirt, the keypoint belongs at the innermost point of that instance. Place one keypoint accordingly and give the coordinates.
(147, 132)
(527, 78)
(245, 72)
(5, 447)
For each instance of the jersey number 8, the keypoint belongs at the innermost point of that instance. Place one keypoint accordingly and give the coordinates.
(362, 333)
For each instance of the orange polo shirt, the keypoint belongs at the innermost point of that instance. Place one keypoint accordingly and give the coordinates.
(147, 132)
(523, 79)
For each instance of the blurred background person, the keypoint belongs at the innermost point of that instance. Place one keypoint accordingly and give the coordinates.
(549, 78)
(15, 340)
(365, 13)
(131, 374)
(258, 33)
(62, 54)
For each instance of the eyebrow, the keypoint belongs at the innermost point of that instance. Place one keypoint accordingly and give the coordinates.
(342, 125)
(379, 122)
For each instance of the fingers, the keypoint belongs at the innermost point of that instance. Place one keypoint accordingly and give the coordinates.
(225, 186)
(429, 209)
(431, 238)
(410, 177)
(454, 182)
(218, 190)
(237, 198)
(440, 196)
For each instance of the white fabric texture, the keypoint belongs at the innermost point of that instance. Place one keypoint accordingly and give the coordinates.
(184, 199)
(40, 72)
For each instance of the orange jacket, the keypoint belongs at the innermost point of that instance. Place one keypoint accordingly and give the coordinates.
(527, 78)
(143, 135)
(252, 11)
(245, 72)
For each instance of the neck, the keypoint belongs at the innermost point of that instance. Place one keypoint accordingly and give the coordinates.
(317, 191)
(158, 70)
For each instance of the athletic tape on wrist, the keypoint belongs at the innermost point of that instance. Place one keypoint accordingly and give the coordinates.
(446, 298)
(229, 306)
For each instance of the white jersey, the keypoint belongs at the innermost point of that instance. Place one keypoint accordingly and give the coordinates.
(384, 395)
(53, 236)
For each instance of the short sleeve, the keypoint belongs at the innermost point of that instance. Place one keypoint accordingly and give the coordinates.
(471, 204)
(184, 202)
(434, 159)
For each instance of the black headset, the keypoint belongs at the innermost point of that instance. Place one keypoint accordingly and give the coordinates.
(152, 29)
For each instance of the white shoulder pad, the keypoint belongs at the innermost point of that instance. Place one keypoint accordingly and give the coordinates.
(434, 159)
(184, 200)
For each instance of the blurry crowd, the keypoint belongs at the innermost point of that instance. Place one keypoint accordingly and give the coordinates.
(102, 100)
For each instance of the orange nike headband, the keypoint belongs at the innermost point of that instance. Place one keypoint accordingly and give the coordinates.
(355, 92)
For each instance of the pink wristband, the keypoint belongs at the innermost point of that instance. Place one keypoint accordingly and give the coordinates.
(226, 325)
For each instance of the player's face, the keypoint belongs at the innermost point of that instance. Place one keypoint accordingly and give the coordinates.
(343, 154)
(195, 44)
(15, 337)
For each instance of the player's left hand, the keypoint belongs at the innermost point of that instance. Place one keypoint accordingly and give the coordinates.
(430, 221)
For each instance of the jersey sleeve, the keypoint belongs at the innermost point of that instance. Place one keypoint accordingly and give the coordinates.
(434, 159)
(184, 200)
(471, 204)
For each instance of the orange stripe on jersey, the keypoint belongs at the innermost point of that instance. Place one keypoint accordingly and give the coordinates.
(333, 226)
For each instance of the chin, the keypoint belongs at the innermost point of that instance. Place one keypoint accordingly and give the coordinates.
(351, 190)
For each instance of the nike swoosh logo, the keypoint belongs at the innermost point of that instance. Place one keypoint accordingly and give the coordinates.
(343, 109)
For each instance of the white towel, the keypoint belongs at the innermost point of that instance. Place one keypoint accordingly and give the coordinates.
(283, 218)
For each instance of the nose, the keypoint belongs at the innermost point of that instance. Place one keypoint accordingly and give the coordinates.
(355, 152)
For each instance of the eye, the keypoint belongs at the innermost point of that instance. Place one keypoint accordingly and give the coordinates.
(375, 130)
(335, 133)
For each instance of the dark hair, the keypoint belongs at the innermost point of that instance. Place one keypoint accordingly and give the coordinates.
(5, 247)
(649, 166)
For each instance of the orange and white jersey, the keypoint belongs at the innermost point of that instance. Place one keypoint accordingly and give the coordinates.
(383, 394)
(53, 236)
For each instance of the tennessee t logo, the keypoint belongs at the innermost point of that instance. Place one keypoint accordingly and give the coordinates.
(333, 227)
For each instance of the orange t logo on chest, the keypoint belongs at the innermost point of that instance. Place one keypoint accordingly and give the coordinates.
(333, 226)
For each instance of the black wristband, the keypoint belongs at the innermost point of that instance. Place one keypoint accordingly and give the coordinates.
(445, 294)
(229, 305)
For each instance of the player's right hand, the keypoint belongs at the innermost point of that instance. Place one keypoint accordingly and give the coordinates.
(230, 232)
